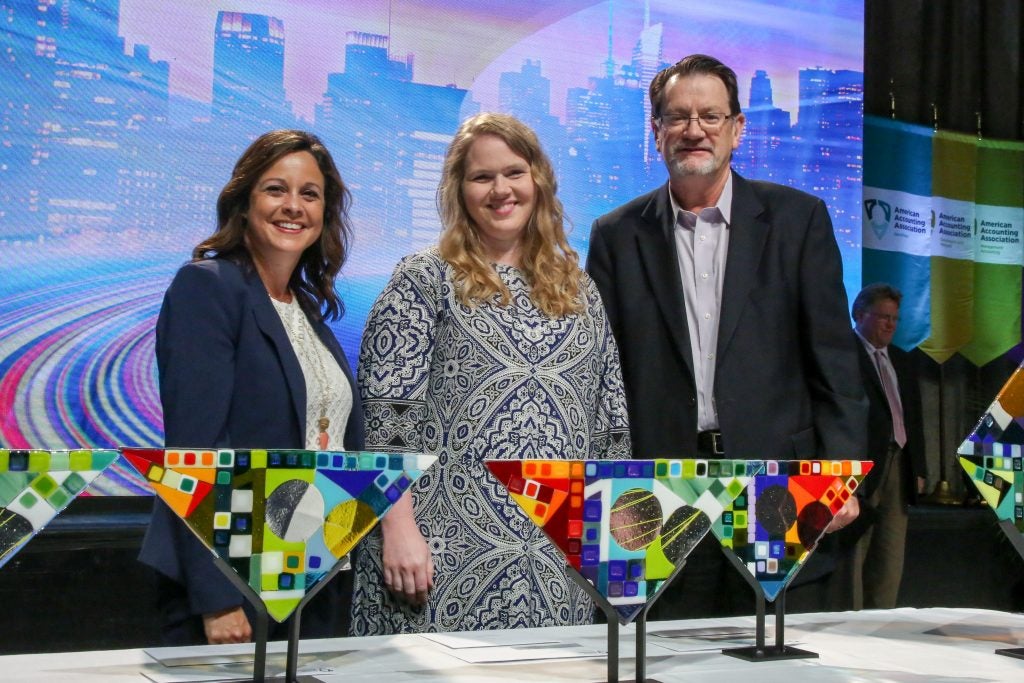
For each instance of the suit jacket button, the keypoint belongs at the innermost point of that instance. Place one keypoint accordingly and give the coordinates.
(693, 401)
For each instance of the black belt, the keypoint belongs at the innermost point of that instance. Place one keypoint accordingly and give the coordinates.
(709, 443)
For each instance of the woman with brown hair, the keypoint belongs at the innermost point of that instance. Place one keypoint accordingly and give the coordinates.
(493, 344)
(246, 360)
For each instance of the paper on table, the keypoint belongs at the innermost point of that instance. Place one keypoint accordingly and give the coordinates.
(458, 641)
(205, 655)
(993, 634)
(232, 670)
(707, 633)
(226, 662)
(495, 655)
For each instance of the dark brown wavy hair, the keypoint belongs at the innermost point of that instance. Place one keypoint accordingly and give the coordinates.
(548, 262)
(313, 279)
(694, 65)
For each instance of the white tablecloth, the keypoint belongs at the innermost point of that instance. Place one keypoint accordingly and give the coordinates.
(903, 645)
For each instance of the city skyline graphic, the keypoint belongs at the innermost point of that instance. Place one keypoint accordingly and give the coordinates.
(126, 117)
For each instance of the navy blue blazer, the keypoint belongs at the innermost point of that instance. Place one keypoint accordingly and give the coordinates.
(228, 378)
(787, 383)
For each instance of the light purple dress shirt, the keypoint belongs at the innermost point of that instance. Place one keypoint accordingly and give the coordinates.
(702, 244)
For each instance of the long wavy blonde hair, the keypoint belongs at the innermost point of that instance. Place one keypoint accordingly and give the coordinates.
(550, 265)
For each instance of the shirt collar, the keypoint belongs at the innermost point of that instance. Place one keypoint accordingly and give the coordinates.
(871, 347)
(724, 203)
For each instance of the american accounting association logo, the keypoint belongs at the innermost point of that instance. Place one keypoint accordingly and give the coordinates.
(879, 215)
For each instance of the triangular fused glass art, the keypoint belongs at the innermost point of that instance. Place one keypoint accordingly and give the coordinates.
(773, 525)
(1000, 431)
(993, 459)
(625, 525)
(280, 518)
(35, 485)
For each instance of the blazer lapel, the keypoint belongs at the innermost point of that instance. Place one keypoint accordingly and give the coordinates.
(270, 323)
(331, 342)
(658, 255)
(870, 368)
(747, 237)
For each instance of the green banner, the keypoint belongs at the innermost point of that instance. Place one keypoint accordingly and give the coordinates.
(999, 254)
(954, 165)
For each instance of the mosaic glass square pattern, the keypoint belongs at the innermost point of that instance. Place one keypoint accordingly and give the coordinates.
(1000, 481)
(774, 524)
(991, 455)
(1000, 431)
(281, 519)
(625, 525)
(35, 485)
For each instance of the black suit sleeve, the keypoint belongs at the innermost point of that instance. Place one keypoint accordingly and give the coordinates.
(196, 340)
(599, 267)
(829, 353)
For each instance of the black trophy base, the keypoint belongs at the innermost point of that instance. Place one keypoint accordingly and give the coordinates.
(773, 653)
(1015, 652)
(646, 680)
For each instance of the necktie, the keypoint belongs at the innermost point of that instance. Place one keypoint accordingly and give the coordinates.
(899, 433)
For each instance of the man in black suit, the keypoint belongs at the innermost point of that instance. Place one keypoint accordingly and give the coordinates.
(726, 299)
(871, 577)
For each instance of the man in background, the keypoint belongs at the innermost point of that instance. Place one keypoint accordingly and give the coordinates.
(871, 576)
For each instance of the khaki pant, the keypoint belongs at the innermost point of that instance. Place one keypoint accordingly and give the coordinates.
(871, 579)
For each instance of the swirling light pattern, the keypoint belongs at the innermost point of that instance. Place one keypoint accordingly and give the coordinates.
(77, 367)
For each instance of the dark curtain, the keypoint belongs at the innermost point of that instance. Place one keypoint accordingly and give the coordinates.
(946, 63)
(963, 56)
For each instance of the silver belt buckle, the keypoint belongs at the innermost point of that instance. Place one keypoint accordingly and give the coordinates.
(716, 443)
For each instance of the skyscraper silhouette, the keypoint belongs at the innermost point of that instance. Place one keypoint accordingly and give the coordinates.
(647, 62)
(389, 135)
(526, 94)
(762, 150)
(248, 71)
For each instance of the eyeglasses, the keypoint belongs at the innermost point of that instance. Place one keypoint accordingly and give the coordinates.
(709, 122)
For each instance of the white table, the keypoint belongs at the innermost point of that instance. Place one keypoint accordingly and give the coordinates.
(904, 645)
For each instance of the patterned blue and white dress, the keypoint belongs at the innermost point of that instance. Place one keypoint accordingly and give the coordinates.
(472, 383)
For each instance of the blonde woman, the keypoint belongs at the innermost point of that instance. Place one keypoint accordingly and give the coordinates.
(493, 344)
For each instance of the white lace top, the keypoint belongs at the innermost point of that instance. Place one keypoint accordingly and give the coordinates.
(328, 393)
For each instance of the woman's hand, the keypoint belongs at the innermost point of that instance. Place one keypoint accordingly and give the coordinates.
(408, 567)
(227, 626)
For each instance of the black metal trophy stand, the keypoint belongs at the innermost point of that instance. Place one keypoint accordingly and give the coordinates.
(262, 627)
(761, 652)
(614, 618)
(1017, 541)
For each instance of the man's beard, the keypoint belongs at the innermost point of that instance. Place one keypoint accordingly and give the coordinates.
(681, 168)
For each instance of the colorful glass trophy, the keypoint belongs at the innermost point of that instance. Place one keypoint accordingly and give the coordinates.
(36, 485)
(771, 529)
(278, 521)
(993, 457)
(625, 526)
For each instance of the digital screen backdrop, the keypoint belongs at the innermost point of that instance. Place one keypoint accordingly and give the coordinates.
(120, 121)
